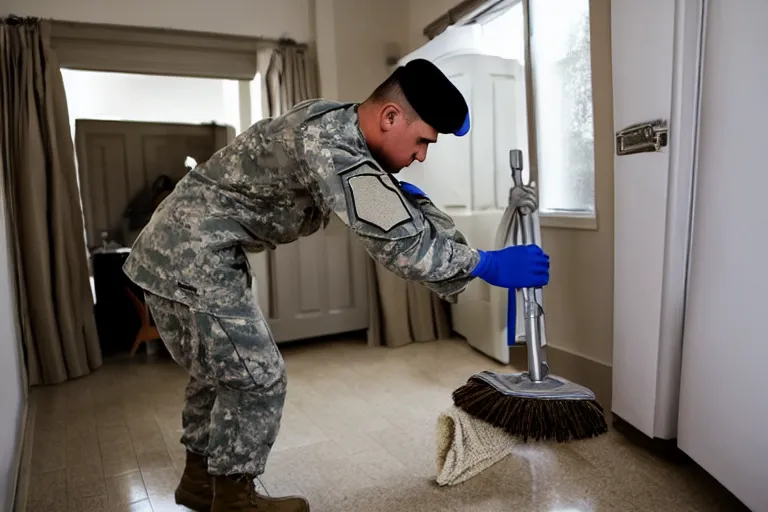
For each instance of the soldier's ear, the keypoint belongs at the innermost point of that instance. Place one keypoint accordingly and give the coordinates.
(389, 116)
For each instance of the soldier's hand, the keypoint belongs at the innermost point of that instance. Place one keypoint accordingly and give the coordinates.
(520, 266)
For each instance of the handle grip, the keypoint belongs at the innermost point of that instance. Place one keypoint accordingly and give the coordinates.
(516, 164)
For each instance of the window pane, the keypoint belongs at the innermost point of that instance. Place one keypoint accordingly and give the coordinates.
(562, 82)
(502, 35)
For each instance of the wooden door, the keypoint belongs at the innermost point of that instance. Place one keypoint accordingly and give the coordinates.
(118, 159)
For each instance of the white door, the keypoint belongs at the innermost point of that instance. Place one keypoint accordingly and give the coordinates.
(655, 50)
(642, 92)
(723, 421)
(318, 285)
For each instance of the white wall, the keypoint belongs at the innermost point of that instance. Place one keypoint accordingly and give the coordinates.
(12, 395)
(119, 96)
(266, 18)
(364, 29)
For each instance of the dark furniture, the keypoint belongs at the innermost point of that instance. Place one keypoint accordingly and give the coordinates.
(117, 318)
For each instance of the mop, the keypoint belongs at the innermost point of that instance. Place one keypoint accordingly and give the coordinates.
(534, 404)
(467, 446)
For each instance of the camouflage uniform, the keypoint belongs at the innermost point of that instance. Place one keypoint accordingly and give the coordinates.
(281, 179)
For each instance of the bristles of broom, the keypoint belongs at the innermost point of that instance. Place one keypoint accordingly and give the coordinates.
(528, 418)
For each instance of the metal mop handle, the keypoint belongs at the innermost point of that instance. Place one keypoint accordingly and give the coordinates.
(532, 308)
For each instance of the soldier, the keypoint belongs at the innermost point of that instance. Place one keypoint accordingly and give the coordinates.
(282, 179)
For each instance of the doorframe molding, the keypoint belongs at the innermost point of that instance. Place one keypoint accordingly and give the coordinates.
(690, 27)
(696, 127)
(156, 51)
(665, 203)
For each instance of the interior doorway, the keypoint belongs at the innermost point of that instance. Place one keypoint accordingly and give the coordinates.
(148, 98)
(136, 135)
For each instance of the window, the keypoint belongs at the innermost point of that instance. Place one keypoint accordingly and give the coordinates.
(502, 33)
(561, 75)
(562, 88)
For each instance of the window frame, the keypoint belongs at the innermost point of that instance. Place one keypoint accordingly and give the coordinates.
(468, 11)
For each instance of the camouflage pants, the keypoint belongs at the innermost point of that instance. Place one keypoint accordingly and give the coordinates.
(237, 384)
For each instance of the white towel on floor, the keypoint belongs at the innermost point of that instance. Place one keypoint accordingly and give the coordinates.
(466, 446)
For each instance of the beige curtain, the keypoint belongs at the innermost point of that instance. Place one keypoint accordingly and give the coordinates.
(401, 312)
(289, 76)
(45, 225)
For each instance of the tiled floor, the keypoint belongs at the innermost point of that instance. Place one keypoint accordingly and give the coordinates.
(357, 435)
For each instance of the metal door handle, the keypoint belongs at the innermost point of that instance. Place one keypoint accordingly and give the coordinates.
(642, 138)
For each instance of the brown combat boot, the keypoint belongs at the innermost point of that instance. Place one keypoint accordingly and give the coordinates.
(236, 493)
(195, 490)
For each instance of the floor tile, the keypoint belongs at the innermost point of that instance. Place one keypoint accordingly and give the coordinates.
(48, 491)
(126, 489)
(86, 480)
(89, 504)
(118, 459)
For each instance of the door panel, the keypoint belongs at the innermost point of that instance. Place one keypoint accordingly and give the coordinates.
(318, 285)
(642, 91)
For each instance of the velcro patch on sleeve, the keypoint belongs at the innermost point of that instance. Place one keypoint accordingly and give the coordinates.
(377, 203)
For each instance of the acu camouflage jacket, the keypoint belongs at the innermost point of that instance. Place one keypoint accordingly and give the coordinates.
(282, 179)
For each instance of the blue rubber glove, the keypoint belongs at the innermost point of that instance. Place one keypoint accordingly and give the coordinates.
(412, 189)
(524, 266)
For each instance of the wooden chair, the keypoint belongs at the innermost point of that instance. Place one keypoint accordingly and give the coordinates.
(148, 331)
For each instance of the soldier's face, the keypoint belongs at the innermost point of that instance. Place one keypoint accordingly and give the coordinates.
(405, 141)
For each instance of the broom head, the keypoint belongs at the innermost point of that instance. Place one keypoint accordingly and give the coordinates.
(553, 409)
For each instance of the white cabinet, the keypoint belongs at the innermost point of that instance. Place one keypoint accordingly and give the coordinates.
(723, 403)
(469, 177)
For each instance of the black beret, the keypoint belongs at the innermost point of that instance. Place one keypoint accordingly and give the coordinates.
(434, 97)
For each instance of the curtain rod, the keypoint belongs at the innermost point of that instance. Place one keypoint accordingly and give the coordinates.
(15, 20)
(68, 28)
(454, 14)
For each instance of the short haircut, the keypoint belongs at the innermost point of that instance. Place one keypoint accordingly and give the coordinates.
(390, 90)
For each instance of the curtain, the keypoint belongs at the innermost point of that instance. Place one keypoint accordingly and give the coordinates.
(289, 76)
(400, 311)
(45, 224)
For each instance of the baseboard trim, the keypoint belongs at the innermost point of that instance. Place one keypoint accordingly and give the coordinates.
(24, 456)
(582, 370)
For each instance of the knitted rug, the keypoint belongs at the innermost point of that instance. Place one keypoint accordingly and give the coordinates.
(467, 446)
